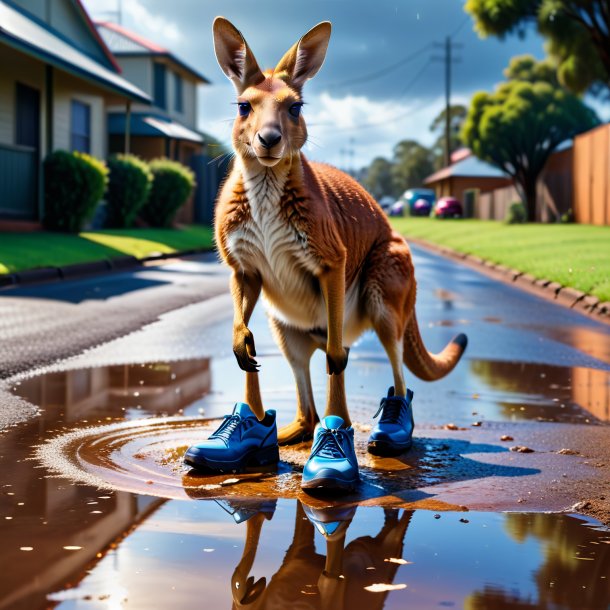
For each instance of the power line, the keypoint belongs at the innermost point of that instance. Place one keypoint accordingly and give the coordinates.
(383, 71)
(401, 95)
(459, 28)
(392, 118)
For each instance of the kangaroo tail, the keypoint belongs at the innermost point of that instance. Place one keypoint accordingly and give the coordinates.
(421, 362)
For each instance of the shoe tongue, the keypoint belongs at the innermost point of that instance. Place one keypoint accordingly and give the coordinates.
(241, 408)
(333, 422)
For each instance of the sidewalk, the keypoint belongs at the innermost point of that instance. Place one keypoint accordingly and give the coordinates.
(48, 322)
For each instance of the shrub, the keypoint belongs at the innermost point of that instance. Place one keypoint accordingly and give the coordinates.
(568, 217)
(516, 214)
(128, 188)
(73, 185)
(172, 185)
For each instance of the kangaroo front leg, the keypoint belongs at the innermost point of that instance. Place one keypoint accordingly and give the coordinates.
(246, 290)
(336, 403)
(332, 284)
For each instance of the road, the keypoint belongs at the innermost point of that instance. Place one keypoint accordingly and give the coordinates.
(534, 371)
(127, 369)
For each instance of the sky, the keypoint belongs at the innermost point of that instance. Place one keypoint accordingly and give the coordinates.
(382, 80)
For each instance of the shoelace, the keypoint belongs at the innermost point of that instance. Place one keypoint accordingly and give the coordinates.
(329, 445)
(228, 426)
(392, 409)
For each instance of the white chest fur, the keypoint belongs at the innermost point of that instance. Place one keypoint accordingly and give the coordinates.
(267, 238)
(268, 244)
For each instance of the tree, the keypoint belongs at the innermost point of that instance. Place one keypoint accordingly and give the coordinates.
(457, 115)
(577, 34)
(412, 163)
(378, 179)
(518, 127)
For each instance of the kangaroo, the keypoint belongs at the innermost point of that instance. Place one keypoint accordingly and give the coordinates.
(310, 239)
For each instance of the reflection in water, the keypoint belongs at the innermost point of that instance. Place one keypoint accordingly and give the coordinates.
(285, 554)
(342, 579)
(550, 393)
(49, 514)
(143, 552)
(573, 559)
(122, 390)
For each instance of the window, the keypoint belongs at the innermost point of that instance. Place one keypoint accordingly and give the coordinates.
(27, 117)
(80, 133)
(178, 103)
(159, 85)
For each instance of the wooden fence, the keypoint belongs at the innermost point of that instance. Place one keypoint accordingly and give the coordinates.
(592, 176)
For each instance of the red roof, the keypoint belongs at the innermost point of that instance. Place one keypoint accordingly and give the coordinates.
(147, 44)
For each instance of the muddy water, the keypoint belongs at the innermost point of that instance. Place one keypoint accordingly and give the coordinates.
(129, 535)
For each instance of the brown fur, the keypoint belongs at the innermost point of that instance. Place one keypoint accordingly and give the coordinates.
(311, 239)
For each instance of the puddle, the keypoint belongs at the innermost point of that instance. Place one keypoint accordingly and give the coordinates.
(267, 554)
(129, 529)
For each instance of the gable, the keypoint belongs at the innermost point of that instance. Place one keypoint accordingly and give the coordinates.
(68, 19)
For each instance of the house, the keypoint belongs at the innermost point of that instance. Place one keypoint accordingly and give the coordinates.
(466, 173)
(58, 79)
(168, 128)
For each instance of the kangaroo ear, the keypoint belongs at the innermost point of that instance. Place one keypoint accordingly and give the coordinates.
(234, 55)
(306, 57)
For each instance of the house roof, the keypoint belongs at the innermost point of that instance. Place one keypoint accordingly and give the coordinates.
(470, 167)
(33, 38)
(91, 27)
(152, 125)
(123, 42)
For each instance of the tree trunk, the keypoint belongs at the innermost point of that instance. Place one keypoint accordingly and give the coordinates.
(527, 186)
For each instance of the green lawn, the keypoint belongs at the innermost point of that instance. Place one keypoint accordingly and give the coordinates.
(571, 254)
(20, 251)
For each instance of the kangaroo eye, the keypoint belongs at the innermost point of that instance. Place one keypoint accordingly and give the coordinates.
(244, 108)
(295, 109)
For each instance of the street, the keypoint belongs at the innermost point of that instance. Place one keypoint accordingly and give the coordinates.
(132, 366)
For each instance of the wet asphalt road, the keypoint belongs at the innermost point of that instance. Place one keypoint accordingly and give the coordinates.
(534, 371)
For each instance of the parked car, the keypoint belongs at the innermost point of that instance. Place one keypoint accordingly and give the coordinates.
(398, 208)
(413, 195)
(448, 207)
(421, 207)
(386, 203)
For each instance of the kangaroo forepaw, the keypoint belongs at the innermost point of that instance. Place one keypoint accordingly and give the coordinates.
(244, 350)
(335, 365)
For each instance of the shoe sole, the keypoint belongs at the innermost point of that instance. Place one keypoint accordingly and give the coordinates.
(257, 459)
(383, 449)
(326, 484)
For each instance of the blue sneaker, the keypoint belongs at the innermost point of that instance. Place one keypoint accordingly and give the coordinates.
(332, 464)
(331, 522)
(243, 510)
(241, 441)
(393, 434)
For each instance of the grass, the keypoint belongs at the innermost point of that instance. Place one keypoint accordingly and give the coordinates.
(20, 251)
(571, 254)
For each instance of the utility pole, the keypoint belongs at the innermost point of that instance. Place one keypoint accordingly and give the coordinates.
(447, 101)
(448, 59)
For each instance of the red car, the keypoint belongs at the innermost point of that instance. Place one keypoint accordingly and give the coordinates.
(448, 207)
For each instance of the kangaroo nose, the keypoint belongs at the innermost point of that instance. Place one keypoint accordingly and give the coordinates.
(269, 137)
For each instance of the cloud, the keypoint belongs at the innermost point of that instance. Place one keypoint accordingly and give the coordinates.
(152, 23)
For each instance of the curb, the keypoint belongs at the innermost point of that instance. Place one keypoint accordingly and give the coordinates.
(586, 304)
(45, 275)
